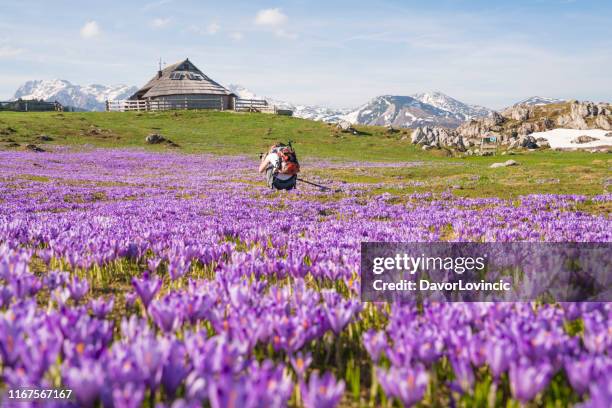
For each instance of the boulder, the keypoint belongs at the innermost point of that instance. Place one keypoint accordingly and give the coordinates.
(44, 138)
(603, 122)
(507, 163)
(518, 112)
(155, 138)
(544, 144)
(437, 137)
(583, 139)
(345, 126)
(34, 148)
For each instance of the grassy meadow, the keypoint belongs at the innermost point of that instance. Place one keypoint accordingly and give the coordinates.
(230, 133)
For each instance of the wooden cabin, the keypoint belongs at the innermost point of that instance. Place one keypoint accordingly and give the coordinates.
(184, 86)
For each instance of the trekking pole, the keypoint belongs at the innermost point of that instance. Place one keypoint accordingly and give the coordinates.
(314, 184)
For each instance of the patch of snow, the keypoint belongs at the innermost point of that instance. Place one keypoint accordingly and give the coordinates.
(562, 138)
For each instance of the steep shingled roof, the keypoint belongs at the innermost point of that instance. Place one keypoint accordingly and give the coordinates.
(182, 78)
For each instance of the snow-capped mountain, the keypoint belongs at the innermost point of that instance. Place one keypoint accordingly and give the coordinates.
(424, 109)
(538, 101)
(90, 97)
(312, 112)
(461, 110)
(421, 109)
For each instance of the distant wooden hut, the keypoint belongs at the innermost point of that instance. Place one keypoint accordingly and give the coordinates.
(184, 86)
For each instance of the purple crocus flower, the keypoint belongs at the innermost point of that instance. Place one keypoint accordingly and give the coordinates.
(101, 307)
(86, 381)
(146, 288)
(153, 264)
(374, 342)
(227, 392)
(78, 288)
(464, 374)
(322, 392)
(339, 314)
(579, 373)
(10, 338)
(408, 383)
(175, 368)
(498, 356)
(128, 395)
(600, 393)
(166, 313)
(527, 380)
(300, 363)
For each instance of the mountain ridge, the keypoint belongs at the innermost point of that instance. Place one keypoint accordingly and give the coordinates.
(89, 97)
(406, 111)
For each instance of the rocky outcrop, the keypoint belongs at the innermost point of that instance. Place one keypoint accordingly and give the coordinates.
(518, 112)
(438, 137)
(582, 112)
(525, 141)
(513, 127)
(583, 139)
(604, 122)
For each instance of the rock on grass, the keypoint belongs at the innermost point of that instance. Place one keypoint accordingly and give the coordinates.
(504, 164)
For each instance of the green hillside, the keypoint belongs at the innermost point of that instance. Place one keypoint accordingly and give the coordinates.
(205, 131)
(250, 133)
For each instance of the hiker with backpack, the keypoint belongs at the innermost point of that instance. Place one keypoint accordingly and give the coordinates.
(281, 167)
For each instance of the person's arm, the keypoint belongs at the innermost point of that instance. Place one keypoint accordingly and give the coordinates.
(264, 164)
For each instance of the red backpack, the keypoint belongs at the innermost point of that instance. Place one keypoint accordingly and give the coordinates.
(288, 163)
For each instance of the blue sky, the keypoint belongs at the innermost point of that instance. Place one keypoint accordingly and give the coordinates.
(337, 53)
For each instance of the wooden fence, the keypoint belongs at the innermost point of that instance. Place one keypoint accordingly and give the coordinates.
(254, 105)
(204, 102)
(212, 102)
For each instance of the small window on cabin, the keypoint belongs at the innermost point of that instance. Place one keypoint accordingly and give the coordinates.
(195, 77)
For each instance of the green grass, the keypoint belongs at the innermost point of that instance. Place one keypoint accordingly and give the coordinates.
(204, 131)
(250, 133)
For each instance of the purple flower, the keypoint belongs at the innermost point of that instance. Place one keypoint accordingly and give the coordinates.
(78, 288)
(178, 267)
(374, 342)
(101, 307)
(527, 380)
(498, 356)
(300, 363)
(600, 393)
(86, 381)
(579, 373)
(153, 264)
(146, 288)
(339, 311)
(128, 395)
(464, 374)
(322, 392)
(407, 384)
(166, 313)
(175, 368)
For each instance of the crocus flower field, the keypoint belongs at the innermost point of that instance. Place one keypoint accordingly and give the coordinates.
(157, 279)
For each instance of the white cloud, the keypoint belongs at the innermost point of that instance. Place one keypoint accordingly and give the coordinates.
(6, 51)
(91, 29)
(213, 28)
(270, 17)
(160, 22)
(236, 36)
